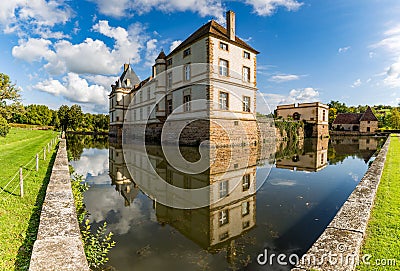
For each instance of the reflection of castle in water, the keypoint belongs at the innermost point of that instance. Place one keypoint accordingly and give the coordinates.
(312, 157)
(232, 208)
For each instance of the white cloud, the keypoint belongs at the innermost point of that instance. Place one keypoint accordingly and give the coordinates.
(343, 49)
(36, 14)
(151, 52)
(393, 75)
(33, 50)
(304, 95)
(63, 56)
(268, 7)
(356, 83)
(284, 78)
(121, 8)
(75, 89)
(174, 44)
(371, 54)
(391, 43)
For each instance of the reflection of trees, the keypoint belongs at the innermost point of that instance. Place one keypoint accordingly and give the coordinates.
(76, 143)
(342, 147)
(288, 149)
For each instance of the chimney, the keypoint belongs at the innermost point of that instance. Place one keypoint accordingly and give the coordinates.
(230, 24)
(126, 67)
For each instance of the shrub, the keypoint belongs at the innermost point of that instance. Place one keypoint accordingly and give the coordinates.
(4, 127)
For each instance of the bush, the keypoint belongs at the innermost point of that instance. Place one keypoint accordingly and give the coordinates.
(4, 127)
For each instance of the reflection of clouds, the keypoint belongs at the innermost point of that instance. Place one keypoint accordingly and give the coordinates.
(93, 162)
(283, 182)
(354, 176)
(107, 204)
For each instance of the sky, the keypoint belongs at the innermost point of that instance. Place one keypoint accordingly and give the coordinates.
(66, 52)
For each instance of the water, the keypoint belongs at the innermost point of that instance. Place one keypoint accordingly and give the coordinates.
(304, 190)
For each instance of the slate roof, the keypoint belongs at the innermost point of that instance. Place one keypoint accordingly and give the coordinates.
(355, 118)
(128, 74)
(214, 29)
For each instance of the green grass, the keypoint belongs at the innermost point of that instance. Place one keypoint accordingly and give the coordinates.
(19, 217)
(383, 233)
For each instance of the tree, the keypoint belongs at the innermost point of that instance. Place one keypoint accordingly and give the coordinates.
(4, 127)
(395, 119)
(63, 117)
(340, 107)
(9, 97)
(75, 117)
(332, 115)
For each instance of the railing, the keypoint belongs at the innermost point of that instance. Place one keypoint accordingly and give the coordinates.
(12, 185)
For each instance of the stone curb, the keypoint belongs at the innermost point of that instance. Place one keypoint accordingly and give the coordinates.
(338, 247)
(58, 245)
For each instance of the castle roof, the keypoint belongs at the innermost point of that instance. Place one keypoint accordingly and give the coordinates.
(214, 29)
(130, 75)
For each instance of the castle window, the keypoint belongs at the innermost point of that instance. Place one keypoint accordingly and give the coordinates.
(223, 46)
(223, 101)
(169, 106)
(223, 217)
(169, 61)
(246, 55)
(323, 115)
(246, 182)
(246, 104)
(169, 79)
(223, 67)
(186, 103)
(148, 93)
(141, 114)
(223, 189)
(141, 96)
(245, 208)
(246, 74)
(246, 224)
(186, 52)
(187, 72)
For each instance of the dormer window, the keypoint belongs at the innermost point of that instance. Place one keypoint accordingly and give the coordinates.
(186, 52)
(223, 46)
(169, 62)
(128, 82)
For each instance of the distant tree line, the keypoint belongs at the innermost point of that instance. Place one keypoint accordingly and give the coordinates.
(388, 116)
(65, 118)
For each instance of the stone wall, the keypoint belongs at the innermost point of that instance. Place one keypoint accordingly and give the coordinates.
(344, 235)
(58, 245)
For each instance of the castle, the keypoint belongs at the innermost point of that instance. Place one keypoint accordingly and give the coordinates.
(205, 88)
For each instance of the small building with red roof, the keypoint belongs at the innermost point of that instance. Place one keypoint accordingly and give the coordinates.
(357, 122)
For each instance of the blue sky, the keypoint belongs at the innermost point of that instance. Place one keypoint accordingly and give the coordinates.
(65, 52)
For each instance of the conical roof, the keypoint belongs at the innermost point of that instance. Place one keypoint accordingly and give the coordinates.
(368, 115)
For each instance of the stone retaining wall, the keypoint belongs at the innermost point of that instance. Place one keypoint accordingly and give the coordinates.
(338, 247)
(59, 245)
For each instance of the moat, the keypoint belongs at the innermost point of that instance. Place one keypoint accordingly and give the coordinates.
(307, 185)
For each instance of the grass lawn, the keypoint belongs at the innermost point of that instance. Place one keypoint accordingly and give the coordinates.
(383, 233)
(19, 217)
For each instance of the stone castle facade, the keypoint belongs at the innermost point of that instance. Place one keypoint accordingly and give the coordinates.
(205, 89)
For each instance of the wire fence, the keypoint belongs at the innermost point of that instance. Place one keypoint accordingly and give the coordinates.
(25, 171)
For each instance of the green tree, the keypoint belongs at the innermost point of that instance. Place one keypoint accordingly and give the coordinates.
(9, 97)
(63, 117)
(75, 117)
(395, 118)
(340, 107)
(332, 115)
(4, 127)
